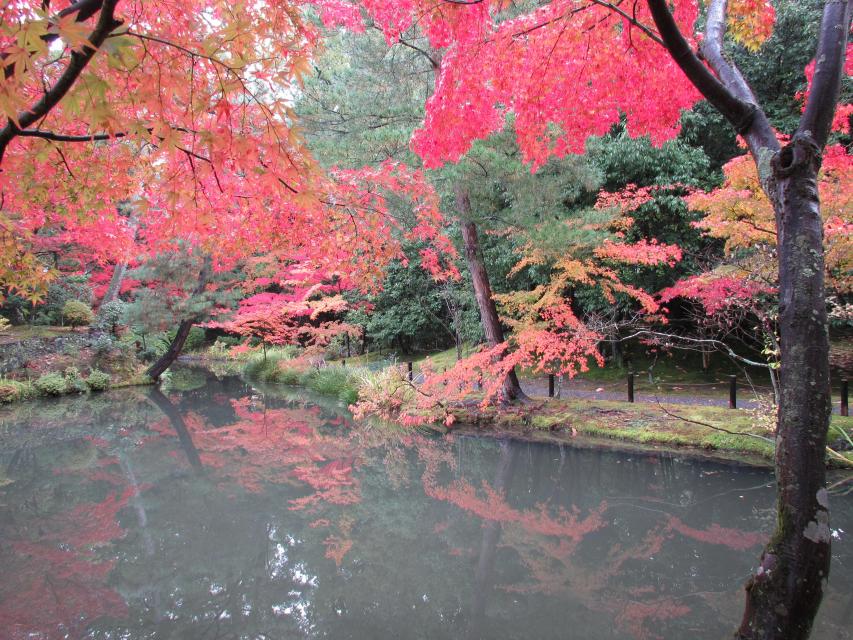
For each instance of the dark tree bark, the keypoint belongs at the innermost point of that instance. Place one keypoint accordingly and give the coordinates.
(784, 594)
(483, 291)
(165, 361)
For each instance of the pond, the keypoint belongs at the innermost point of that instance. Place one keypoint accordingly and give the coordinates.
(232, 511)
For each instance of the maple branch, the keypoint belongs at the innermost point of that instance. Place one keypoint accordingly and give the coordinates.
(829, 68)
(61, 137)
(79, 59)
(758, 131)
(435, 64)
(631, 19)
(738, 112)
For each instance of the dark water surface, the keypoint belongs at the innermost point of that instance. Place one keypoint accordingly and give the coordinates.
(226, 511)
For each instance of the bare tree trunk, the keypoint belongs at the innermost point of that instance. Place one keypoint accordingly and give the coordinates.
(483, 291)
(165, 361)
(784, 594)
(115, 283)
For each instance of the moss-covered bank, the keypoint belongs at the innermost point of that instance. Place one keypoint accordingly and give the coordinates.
(714, 431)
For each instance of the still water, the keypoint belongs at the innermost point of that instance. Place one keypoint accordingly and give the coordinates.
(228, 511)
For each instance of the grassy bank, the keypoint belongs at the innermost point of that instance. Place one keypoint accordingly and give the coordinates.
(716, 431)
(278, 366)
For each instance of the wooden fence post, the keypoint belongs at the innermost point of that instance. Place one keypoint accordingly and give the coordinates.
(845, 406)
(550, 385)
(732, 392)
(409, 370)
(630, 386)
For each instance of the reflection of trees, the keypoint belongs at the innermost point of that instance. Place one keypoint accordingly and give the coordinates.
(176, 420)
(55, 580)
(304, 525)
(595, 549)
(491, 534)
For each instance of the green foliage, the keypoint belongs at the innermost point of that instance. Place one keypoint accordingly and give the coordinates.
(75, 383)
(51, 384)
(156, 308)
(195, 339)
(624, 160)
(77, 314)
(97, 380)
(61, 291)
(102, 344)
(110, 316)
(13, 391)
(332, 381)
(265, 368)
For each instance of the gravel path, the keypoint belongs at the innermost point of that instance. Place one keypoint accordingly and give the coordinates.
(712, 395)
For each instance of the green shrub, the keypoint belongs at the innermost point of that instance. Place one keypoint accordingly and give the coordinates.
(348, 396)
(110, 316)
(289, 375)
(102, 344)
(60, 291)
(195, 339)
(74, 381)
(98, 380)
(332, 381)
(264, 369)
(77, 314)
(51, 384)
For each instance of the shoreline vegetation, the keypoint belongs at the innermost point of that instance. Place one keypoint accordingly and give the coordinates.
(743, 435)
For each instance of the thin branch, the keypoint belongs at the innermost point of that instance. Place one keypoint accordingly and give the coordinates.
(79, 60)
(714, 427)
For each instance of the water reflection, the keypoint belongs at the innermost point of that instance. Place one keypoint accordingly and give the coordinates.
(227, 511)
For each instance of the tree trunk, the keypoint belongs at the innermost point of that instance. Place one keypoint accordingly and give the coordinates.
(483, 291)
(115, 284)
(784, 594)
(165, 361)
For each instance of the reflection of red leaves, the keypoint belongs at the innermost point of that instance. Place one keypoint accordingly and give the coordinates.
(494, 507)
(715, 534)
(637, 615)
(336, 548)
(54, 593)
